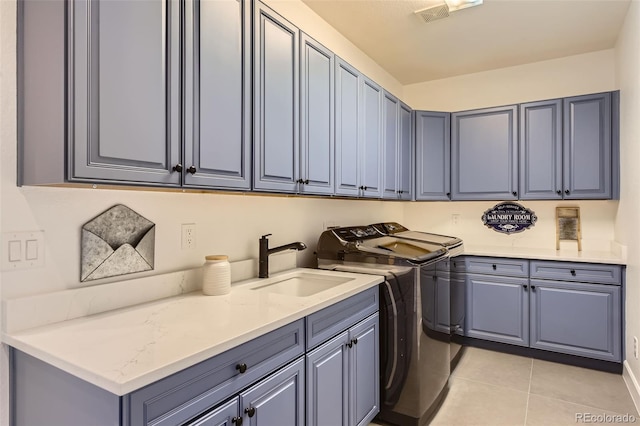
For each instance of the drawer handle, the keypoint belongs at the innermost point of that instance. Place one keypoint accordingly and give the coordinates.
(524, 286)
(533, 288)
(494, 267)
(237, 420)
(250, 411)
(559, 192)
(566, 191)
(241, 368)
(352, 342)
(355, 341)
(573, 272)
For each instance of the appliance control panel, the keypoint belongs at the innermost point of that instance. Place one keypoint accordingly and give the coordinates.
(356, 233)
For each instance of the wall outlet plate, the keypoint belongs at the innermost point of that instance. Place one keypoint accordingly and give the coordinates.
(22, 250)
(188, 236)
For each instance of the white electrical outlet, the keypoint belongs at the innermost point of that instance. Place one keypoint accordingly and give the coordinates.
(188, 236)
(455, 218)
(635, 347)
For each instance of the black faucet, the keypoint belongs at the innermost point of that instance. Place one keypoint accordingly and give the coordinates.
(265, 251)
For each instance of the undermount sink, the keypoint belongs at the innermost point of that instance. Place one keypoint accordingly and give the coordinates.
(301, 284)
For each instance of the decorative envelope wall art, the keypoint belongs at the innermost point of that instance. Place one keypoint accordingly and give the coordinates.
(117, 242)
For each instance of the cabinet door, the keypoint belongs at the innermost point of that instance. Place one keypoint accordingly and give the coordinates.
(224, 415)
(317, 118)
(433, 155)
(541, 150)
(327, 383)
(371, 154)
(276, 400)
(275, 102)
(390, 143)
(458, 297)
(498, 309)
(484, 152)
(126, 91)
(587, 147)
(364, 387)
(347, 129)
(577, 319)
(217, 96)
(405, 162)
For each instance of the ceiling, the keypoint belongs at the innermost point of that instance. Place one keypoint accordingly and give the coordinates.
(497, 34)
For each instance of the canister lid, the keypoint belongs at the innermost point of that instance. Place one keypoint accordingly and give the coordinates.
(217, 257)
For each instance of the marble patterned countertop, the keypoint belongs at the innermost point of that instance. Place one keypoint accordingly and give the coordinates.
(609, 257)
(125, 349)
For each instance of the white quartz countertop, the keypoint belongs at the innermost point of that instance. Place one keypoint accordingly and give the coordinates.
(126, 349)
(608, 257)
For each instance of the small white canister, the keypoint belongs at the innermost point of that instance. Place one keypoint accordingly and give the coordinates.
(216, 275)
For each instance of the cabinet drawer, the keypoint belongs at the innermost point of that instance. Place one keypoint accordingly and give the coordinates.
(181, 396)
(583, 272)
(456, 264)
(330, 321)
(498, 266)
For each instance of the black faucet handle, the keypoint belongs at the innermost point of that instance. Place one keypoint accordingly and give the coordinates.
(264, 237)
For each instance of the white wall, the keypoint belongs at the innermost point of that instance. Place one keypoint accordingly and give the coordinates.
(573, 75)
(627, 231)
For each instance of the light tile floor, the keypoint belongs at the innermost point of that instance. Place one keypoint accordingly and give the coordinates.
(492, 388)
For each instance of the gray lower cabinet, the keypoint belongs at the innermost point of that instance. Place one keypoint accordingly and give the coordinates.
(564, 307)
(433, 155)
(577, 309)
(276, 101)
(498, 309)
(224, 415)
(343, 378)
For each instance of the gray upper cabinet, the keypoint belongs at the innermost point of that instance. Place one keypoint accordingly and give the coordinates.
(347, 129)
(217, 94)
(433, 155)
(317, 141)
(371, 153)
(484, 151)
(405, 153)
(390, 146)
(587, 147)
(126, 94)
(541, 150)
(276, 113)
(119, 111)
(396, 148)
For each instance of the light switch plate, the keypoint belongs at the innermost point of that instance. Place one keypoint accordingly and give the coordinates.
(22, 250)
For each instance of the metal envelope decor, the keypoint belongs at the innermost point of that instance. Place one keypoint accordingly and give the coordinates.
(509, 218)
(117, 242)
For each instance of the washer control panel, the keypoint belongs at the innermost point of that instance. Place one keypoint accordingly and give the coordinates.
(356, 233)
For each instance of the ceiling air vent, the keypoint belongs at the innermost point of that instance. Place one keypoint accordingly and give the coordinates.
(434, 12)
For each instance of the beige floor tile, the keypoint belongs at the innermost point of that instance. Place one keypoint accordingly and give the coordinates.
(544, 411)
(474, 403)
(495, 368)
(597, 389)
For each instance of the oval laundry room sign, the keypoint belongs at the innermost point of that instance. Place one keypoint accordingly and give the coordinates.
(509, 218)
